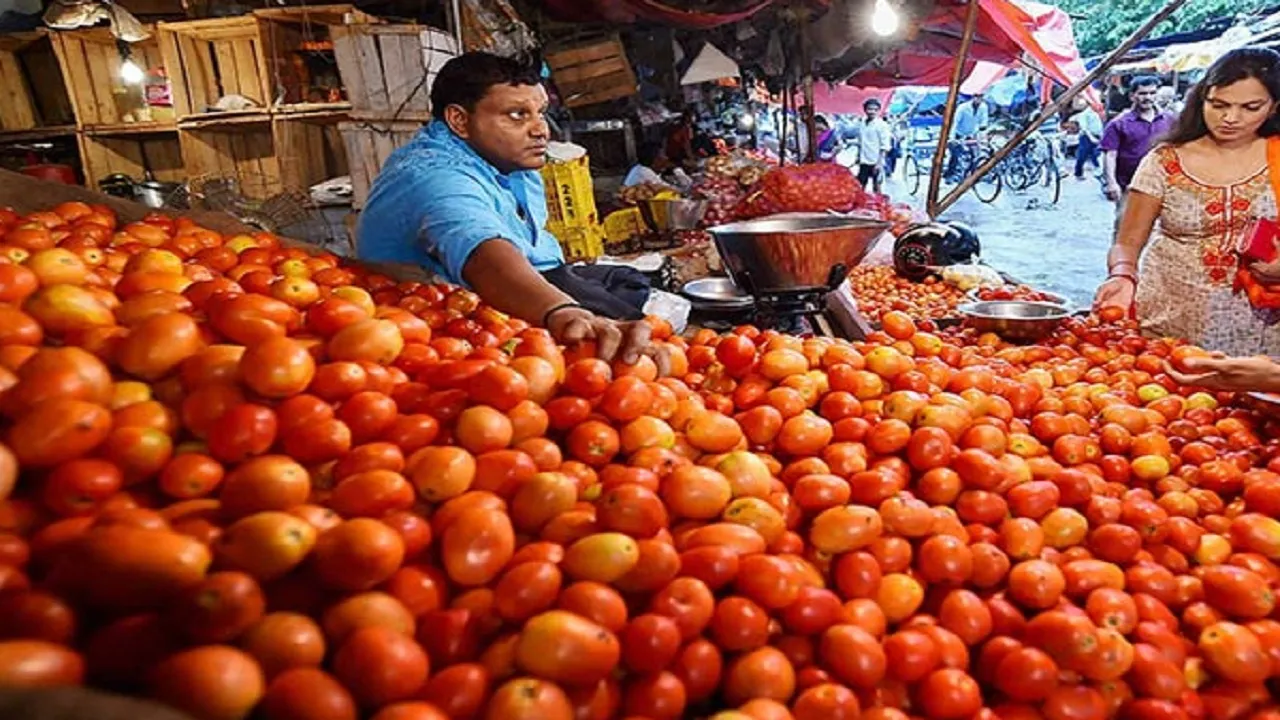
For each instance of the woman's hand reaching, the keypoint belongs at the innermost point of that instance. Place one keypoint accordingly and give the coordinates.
(1228, 374)
(1115, 292)
(1266, 272)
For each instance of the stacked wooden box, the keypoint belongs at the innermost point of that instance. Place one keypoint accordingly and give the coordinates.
(288, 139)
(33, 96)
(388, 71)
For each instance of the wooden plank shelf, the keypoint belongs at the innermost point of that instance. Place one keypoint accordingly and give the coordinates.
(36, 135)
(144, 128)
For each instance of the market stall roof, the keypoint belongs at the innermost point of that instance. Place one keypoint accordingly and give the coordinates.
(666, 12)
(1007, 32)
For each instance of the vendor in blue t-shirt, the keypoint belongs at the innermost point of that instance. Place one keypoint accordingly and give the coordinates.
(465, 200)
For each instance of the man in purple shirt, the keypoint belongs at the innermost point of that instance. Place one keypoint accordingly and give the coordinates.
(1128, 137)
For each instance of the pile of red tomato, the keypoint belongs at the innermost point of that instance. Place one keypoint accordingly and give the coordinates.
(1014, 292)
(242, 479)
(880, 290)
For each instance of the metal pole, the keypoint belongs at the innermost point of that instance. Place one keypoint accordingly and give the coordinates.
(949, 112)
(1052, 109)
(811, 121)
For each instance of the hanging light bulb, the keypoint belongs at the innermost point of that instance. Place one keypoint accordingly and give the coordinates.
(131, 73)
(884, 19)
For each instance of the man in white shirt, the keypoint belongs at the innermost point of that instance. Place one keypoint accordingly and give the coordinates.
(1089, 132)
(875, 137)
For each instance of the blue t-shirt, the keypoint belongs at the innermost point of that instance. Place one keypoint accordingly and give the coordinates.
(436, 200)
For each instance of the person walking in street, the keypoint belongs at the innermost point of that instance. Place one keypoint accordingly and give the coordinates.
(1088, 126)
(875, 139)
(1128, 138)
(971, 121)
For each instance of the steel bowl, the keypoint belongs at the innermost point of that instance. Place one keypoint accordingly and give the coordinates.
(1054, 297)
(796, 252)
(1265, 403)
(665, 215)
(1014, 319)
(716, 291)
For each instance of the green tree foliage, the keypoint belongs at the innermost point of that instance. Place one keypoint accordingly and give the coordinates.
(1101, 25)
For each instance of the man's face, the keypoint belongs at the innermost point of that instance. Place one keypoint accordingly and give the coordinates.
(1144, 98)
(976, 100)
(873, 112)
(508, 127)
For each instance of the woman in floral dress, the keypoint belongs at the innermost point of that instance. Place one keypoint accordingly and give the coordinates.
(1192, 200)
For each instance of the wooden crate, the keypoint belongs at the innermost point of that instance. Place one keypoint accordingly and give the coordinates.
(132, 154)
(257, 56)
(592, 72)
(388, 70)
(32, 91)
(91, 64)
(368, 145)
(268, 155)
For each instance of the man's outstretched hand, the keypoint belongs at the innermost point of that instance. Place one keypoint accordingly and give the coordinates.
(627, 341)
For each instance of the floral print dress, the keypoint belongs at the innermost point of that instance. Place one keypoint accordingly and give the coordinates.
(1184, 285)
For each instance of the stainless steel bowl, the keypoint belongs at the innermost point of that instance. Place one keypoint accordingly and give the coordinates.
(795, 252)
(664, 215)
(716, 291)
(1014, 319)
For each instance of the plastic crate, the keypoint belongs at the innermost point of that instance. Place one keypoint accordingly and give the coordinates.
(579, 242)
(622, 225)
(571, 200)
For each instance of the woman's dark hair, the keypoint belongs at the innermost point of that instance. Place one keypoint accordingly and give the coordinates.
(464, 80)
(1261, 64)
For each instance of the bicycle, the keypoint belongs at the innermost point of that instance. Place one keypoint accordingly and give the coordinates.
(1034, 162)
(918, 163)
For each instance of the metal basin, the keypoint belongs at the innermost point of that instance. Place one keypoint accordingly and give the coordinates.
(795, 252)
(716, 291)
(1014, 319)
(664, 215)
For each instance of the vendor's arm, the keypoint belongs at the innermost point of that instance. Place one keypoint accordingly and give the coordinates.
(1140, 212)
(500, 274)
(464, 234)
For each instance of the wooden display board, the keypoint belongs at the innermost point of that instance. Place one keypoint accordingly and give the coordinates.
(389, 69)
(267, 155)
(368, 145)
(91, 63)
(592, 72)
(132, 154)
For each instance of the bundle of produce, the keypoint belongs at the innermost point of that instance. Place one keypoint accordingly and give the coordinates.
(635, 194)
(817, 187)
(246, 481)
(723, 196)
(878, 290)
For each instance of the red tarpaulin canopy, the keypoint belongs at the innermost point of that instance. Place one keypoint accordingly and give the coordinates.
(629, 11)
(1007, 30)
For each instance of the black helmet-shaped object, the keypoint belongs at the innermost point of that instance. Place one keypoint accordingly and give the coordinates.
(932, 245)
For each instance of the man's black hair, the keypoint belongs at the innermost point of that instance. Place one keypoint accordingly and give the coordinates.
(649, 153)
(464, 80)
(870, 103)
(1143, 81)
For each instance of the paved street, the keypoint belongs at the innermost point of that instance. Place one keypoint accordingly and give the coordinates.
(1060, 248)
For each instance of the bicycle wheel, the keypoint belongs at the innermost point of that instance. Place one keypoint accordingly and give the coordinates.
(912, 174)
(988, 186)
(1053, 178)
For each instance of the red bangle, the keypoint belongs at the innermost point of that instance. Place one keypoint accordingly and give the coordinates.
(1126, 276)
